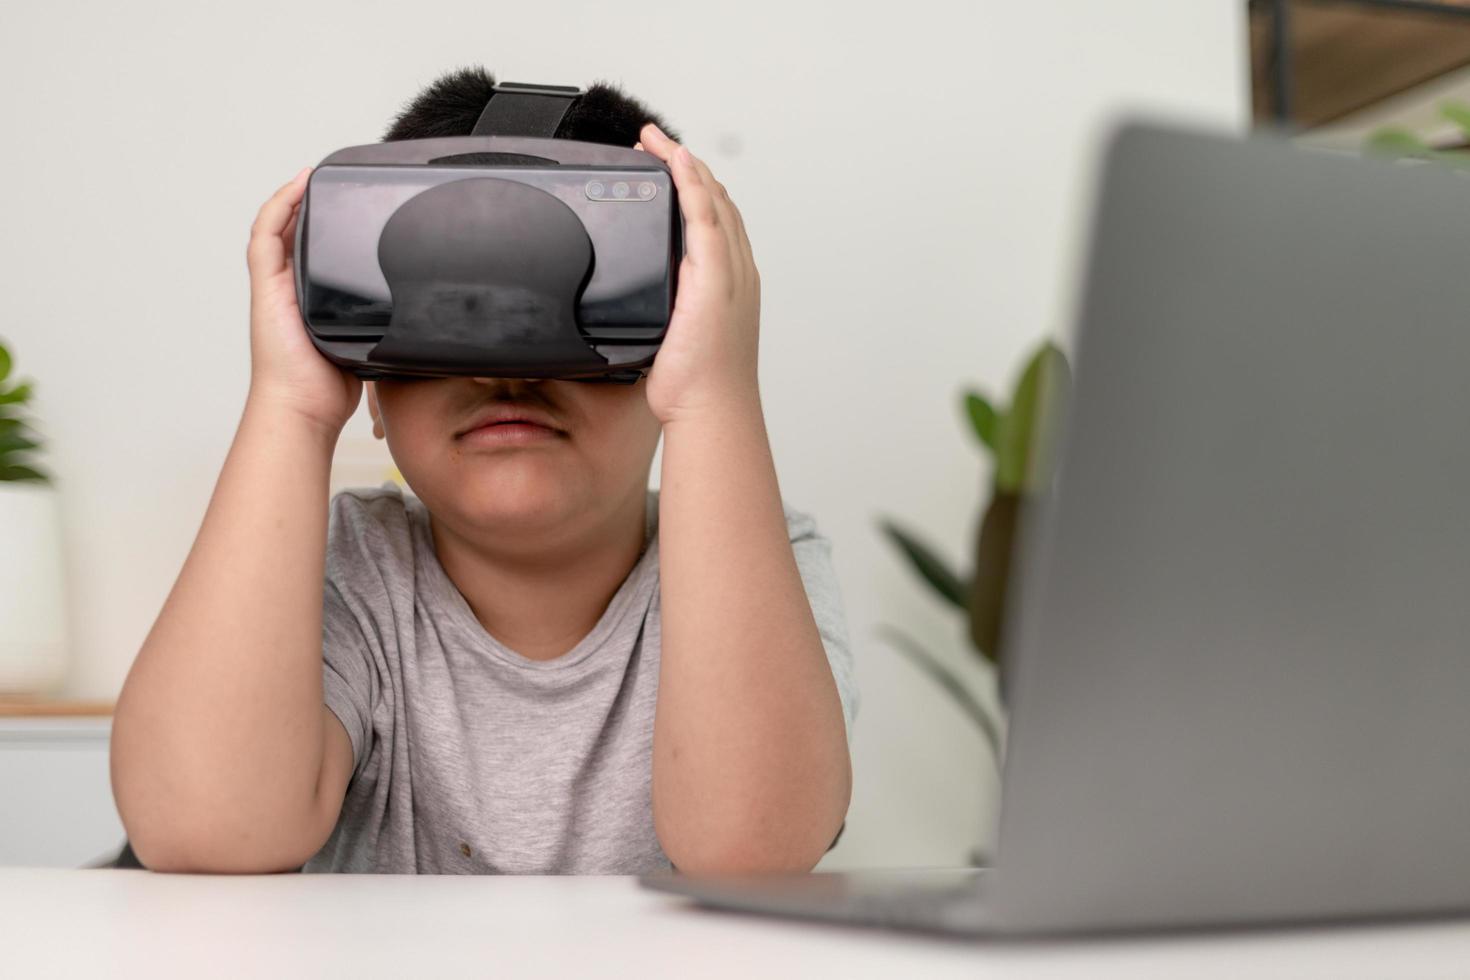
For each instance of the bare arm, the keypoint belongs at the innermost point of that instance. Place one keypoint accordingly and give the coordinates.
(750, 763)
(224, 757)
(751, 768)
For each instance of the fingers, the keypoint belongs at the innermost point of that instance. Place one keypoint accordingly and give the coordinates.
(744, 239)
(266, 253)
(656, 141)
(705, 201)
(728, 221)
(288, 234)
(705, 242)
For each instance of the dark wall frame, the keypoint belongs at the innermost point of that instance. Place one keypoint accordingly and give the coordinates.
(1282, 70)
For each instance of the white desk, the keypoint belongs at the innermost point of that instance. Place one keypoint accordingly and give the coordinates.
(57, 922)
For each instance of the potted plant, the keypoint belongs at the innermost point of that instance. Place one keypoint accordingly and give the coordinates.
(32, 624)
(1019, 439)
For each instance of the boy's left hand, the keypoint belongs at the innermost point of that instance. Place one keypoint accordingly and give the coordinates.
(707, 362)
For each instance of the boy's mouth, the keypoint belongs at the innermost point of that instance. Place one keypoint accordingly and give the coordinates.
(509, 424)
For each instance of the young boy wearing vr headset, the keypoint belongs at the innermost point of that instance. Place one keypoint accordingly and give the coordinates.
(531, 664)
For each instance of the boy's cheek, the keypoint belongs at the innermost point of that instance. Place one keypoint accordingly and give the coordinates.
(414, 416)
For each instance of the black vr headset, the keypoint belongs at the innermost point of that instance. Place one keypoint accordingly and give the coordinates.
(505, 253)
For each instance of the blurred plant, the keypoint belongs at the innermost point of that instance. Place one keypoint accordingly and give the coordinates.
(1021, 442)
(1400, 143)
(17, 440)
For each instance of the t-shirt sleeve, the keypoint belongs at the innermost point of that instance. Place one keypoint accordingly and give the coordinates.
(346, 673)
(813, 551)
(366, 547)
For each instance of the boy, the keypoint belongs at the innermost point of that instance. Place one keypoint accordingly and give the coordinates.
(533, 663)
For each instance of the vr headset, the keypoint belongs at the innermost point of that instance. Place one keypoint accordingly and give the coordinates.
(505, 253)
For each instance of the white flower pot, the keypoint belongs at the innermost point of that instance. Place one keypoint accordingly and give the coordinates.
(32, 590)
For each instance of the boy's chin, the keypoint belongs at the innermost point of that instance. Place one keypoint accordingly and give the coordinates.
(511, 497)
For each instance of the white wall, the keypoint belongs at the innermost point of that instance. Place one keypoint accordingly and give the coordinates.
(909, 175)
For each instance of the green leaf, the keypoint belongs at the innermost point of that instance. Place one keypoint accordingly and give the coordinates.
(1396, 142)
(1457, 113)
(15, 472)
(1009, 456)
(11, 441)
(1053, 391)
(949, 681)
(5, 362)
(1024, 462)
(18, 395)
(1015, 436)
(929, 565)
(983, 419)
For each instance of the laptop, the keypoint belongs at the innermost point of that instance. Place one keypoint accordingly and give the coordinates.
(1241, 624)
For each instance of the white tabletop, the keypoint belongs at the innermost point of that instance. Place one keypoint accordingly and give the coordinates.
(135, 923)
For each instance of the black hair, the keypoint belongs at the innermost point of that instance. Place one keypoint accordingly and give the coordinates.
(452, 103)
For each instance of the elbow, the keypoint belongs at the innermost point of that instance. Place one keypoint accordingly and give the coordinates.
(193, 839)
(743, 857)
(179, 820)
(188, 835)
(177, 853)
(758, 840)
(740, 850)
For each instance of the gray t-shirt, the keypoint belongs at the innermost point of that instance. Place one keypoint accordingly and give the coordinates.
(470, 758)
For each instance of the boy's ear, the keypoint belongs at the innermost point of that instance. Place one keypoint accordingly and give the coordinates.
(372, 400)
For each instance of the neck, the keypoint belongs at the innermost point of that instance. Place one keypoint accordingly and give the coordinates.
(541, 597)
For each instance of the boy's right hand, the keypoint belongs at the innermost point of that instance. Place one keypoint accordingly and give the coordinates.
(286, 370)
